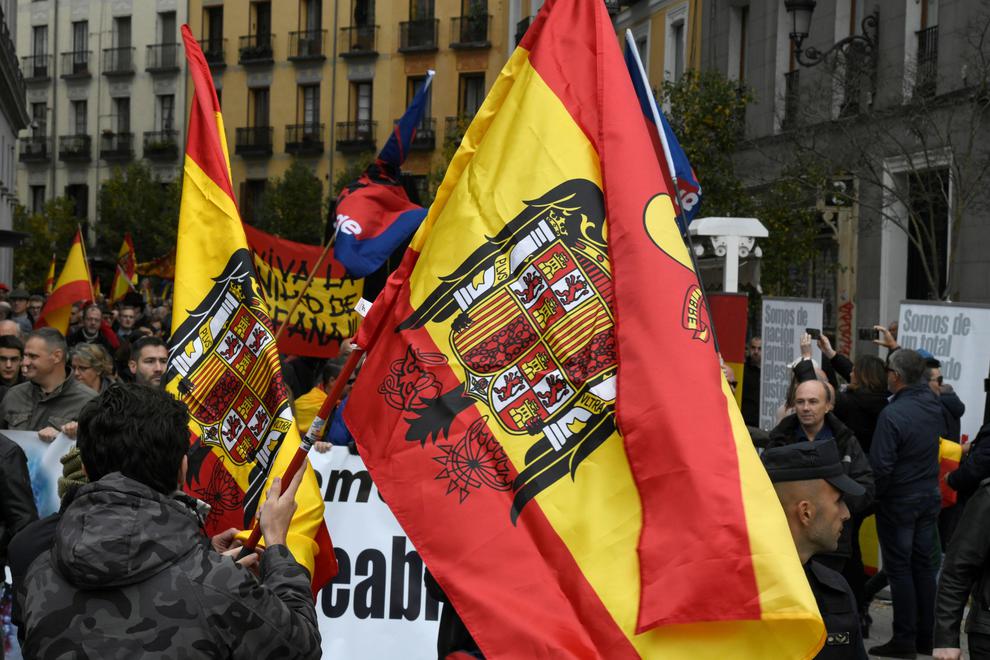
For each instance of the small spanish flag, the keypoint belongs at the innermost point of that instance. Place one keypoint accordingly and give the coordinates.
(73, 285)
(125, 274)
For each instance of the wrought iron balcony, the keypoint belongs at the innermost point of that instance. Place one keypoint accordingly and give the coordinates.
(309, 45)
(75, 64)
(425, 137)
(118, 61)
(256, 49)
(161, 145)
(117, 146)
(254, 141)
(356, 136)
(926, 77)
(470, 31)
(36, 149)
(162, 58)
(214, 50)
(418, 36)
(359, 41)
(36, 68)
(304, 139)
(75, 148)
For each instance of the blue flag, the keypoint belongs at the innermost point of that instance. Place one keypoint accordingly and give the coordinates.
(374, 213)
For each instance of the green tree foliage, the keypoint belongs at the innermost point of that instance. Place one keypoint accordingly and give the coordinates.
(788, 212)
(134, 201)
(293, 206)
(49, 232)
(706, 113)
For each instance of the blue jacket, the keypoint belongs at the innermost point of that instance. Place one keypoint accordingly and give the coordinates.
(904, 452)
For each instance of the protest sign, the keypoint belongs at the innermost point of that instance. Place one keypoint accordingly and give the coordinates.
(784, 321)
(959, 337)
(377, 605)
(729, 311)
(325, 315)
(44, 466)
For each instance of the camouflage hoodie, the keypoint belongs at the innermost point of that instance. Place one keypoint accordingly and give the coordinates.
(131, 575)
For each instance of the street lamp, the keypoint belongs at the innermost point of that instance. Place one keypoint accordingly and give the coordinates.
(800, 13)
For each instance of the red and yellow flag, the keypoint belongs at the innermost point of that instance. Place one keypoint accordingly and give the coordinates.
(163, 267)
(50, 279)
(73, 286)
(223, 363)
(547, 291)
(125, 274)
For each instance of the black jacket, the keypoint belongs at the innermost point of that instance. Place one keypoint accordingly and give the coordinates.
(859, 410)
(952, 411)
(966, 571)
(17, 507)
(854, 460)
(844, 637)
(975, 465)
(904, 453)
(750, 403)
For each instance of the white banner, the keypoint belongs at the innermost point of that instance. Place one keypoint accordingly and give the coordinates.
(959, 337)
(784, 321)
(377, 606)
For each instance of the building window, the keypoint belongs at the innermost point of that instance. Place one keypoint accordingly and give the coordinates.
(165, 107)
(79, 194)
(39, 119)
(738, 36)
(258, 106)
(166, 27)
(39, 40)
(213, 20)
(80, 37)
(677, 37)
(79, 123)
(37, 199)
(413, 85)
(470, 94)
(262, 14)
(252, 194)
(361, 97)
(122, 32)
(122, 114)
(420, 10)
(928, 221)
(363, 13)
(309, 99)
(311, 11)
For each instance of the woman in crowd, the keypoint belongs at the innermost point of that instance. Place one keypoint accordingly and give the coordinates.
(92, 366)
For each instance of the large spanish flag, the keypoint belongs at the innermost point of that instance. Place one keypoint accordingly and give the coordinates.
(73, 285)
(548, 284)
(223, 363)
(125, 273)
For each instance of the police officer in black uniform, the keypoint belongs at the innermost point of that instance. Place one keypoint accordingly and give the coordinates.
(810, 483)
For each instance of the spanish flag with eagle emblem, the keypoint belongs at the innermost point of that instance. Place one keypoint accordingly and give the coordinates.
(541, 405)
(125, 273)
(223, 362)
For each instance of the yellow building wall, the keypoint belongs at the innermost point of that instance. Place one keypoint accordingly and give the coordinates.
(391, 70)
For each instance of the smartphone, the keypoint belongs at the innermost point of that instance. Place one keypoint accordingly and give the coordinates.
(814, 332)
(869, 334)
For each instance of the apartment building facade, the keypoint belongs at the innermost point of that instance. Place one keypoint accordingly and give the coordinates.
(898, 118)
(13, 119)
(105, 86)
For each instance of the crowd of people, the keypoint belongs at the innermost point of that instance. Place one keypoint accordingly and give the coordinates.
(886, 419)
(852, 439)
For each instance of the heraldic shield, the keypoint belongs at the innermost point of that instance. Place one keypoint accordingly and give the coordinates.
(534, 332)
(224, 357)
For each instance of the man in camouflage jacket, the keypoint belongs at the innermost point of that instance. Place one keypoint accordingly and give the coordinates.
(131, 573)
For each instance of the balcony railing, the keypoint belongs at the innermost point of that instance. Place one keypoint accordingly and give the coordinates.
(161, 145)
(425, 137)
(75, 64)
(75, 148)
(304, 139)
(36, 68)
(256, 49)
(359, 41)
(254, 141)
(162, 58)
(118, 61)
(117, 146)
(927, 69)
(470, 31)
(418, 36)
(214, 50)
(307, 45)
(355, 136)
(791, 99)
(521, 28)
(36, 149)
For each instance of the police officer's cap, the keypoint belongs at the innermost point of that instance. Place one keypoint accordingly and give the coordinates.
(804, 461)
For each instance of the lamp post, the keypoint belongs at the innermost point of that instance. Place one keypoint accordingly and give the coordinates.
(800, 12)
(731, 238)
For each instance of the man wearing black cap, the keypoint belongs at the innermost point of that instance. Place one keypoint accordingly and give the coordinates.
(810, 484)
